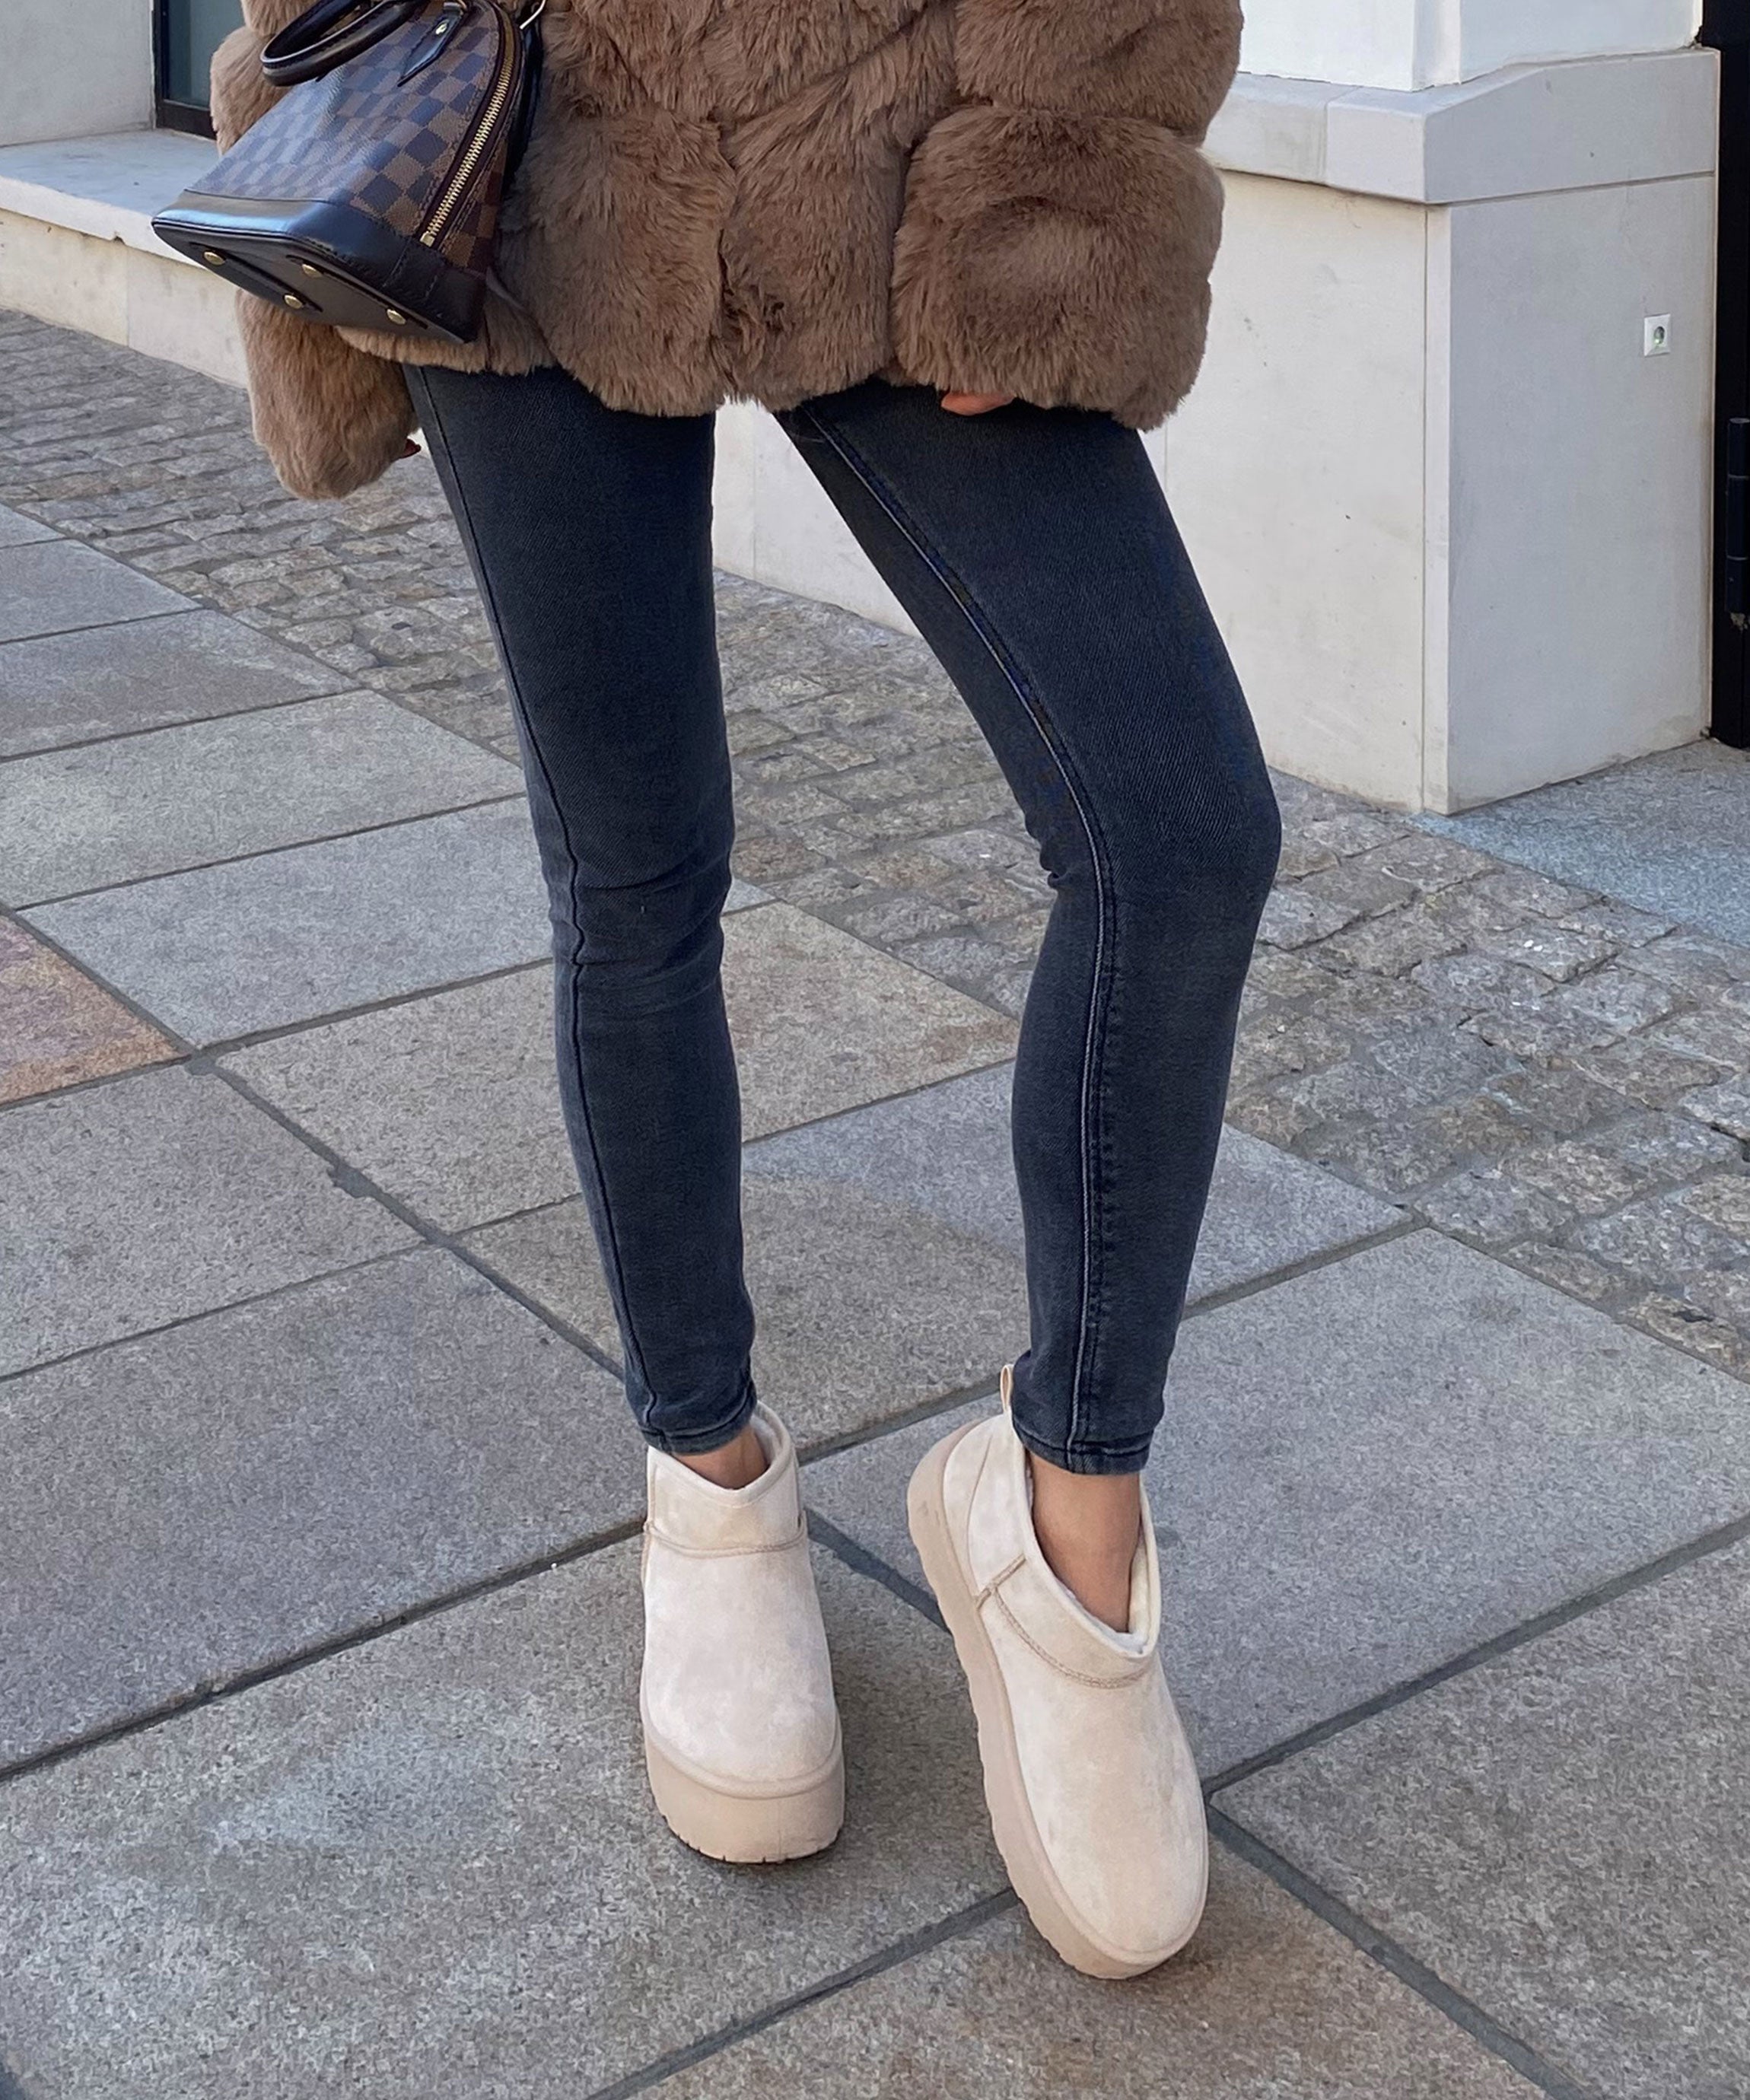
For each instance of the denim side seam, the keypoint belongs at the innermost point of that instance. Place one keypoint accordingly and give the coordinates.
(1099, 994)
(466, 520)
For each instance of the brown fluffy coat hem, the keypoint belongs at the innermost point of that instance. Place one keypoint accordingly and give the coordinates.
(772, 199)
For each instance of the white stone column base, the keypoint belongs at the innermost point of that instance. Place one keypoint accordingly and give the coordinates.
(76, 247)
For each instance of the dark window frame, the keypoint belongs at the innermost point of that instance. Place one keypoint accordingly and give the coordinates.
(169, 114)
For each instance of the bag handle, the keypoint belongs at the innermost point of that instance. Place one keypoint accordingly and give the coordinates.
(330, 33)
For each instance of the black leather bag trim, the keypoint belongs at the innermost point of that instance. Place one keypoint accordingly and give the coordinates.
(363, 268)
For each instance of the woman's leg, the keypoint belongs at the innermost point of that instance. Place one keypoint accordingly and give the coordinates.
(1035, 551)
(589, 531)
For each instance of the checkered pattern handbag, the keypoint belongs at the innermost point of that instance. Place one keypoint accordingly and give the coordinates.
(368, 195)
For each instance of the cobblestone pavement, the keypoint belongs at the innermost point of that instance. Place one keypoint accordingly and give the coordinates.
(320, 1769)
(1535, 1069)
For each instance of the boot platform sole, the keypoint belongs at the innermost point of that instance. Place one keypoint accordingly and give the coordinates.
(1011, 1822)
(747, 1829)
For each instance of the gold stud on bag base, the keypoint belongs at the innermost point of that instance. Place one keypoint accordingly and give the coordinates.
(375, 192)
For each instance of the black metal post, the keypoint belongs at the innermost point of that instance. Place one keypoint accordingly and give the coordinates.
(1726, 26)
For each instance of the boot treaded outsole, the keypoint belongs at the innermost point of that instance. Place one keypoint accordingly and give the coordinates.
(747, 1829)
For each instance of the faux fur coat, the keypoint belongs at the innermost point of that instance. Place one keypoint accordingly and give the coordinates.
(772, 199)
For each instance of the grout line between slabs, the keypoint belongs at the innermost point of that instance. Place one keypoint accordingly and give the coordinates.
(203, 1061)
(206, 1312)
(873, 1568)
(1720, 1540)
(1396, 1960)
(151, 1061)
(862, 1561)
(354, 1181)
(202, 1057)
(1403, 1226)
(855, 1556)
(206, 603)
(93, 626)
(890, 1425)
(982, 1388)
(180, 1043)
(877, 1101)
(181, 721)
(264, 853)
(953, 1927)
(1375, 1945)
(480, 742)
(846, 1550)
(304, 1658)
(206, 1057)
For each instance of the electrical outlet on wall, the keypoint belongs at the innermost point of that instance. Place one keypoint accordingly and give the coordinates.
(1657, 342)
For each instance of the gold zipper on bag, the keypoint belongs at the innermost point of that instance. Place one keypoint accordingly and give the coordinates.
(444, 209)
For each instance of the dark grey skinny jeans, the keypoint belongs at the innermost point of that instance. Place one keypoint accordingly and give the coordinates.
(1035, 552)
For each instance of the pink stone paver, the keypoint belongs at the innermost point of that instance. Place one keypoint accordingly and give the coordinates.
(57, 1027)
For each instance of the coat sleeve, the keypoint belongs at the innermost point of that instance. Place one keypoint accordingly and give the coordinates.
(1060, 223)
(330, 417)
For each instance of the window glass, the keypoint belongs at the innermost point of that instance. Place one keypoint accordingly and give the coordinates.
(193, 30)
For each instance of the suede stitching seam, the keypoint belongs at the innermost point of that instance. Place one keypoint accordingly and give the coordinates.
(1000, 1577)
(1100, 990)
(466, 521)
(723, 1552)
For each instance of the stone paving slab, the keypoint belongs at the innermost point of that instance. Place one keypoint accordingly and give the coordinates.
(287, 936)
(824, 1022)
(15, 529)
(1369, 1468)
(864, 1308)
(57, 1027)
(884, 1251)
(430, 1864)
(1267, 2000)
(145, 674)
(281, 1473)
(945, 1152)
(1670, 834)
(48, 586)
(1560, 1834)
(154, 1197)
(174, 798)
(1268, 1210)
(451, 1103)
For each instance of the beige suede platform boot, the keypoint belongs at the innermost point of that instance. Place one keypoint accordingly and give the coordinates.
(740, 1730)
(1093, 1794)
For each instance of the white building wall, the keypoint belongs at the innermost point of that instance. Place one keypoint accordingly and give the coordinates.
(1410, 44)
(1296, 473)
(73, 67)
(1452, 519)
(1569, 546)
